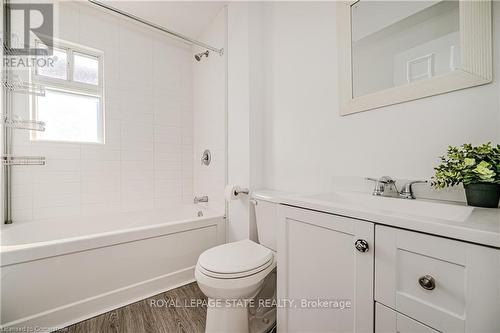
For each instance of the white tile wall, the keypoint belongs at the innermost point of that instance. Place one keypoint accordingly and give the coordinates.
(147, 159)
(210, 117)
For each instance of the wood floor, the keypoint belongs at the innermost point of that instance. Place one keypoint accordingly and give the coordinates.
(174, 313)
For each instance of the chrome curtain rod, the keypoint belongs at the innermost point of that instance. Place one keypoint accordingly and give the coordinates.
(158, 27)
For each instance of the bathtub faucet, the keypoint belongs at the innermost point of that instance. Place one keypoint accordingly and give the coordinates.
(201, 199)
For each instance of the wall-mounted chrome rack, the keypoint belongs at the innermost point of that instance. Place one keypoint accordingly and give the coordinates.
(24, 88)
(12, 83)
(30, 125)
(9, 160)
(23, 160)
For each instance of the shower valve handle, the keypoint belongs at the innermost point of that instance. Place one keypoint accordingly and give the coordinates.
(206, 158)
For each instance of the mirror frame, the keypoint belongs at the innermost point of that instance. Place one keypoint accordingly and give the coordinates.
(476, 66)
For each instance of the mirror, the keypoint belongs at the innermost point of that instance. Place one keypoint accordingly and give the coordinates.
(395, 51)
(396, 43)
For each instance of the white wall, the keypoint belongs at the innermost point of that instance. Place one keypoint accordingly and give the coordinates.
(310, 148)
(238, 100)
(147, 160)
(209, 126)
(246, 75)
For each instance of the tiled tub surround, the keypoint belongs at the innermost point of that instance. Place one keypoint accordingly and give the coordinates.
(147, 158)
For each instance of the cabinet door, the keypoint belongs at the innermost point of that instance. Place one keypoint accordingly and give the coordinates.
(324, 283)
(390, 321)
(446, 284)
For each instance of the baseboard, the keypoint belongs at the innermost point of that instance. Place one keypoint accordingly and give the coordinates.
(72, 313)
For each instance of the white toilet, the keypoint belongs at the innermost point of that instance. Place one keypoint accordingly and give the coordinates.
(235, 276)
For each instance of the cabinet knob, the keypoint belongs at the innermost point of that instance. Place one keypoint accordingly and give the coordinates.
(361, 245)
(427, 282)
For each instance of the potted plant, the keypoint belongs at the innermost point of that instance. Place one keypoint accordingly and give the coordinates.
(477, 168)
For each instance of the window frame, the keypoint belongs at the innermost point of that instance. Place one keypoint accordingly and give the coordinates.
(70, 86)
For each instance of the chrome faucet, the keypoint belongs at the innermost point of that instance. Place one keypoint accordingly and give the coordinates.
(407, 190)
(200, 199)
(386, 187)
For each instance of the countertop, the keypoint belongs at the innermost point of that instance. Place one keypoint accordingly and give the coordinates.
(480, 226)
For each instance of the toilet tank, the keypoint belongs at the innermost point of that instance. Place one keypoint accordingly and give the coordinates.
(266, 209)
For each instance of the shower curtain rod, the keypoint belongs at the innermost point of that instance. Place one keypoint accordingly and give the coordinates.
(158, 27)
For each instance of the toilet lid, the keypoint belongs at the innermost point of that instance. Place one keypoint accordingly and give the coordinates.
(235, 258)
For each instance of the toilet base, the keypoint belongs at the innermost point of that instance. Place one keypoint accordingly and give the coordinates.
(244, 316)
(227, 316)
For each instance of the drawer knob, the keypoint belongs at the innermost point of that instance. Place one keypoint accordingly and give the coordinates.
(361, 245)
(427, 282)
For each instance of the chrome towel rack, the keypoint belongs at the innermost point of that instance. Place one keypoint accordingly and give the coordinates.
(12, 84)
(8, 159)
(23, 160)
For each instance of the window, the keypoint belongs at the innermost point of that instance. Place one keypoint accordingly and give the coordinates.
(72, 107)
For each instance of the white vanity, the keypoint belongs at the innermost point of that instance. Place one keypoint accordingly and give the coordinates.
(352, 262)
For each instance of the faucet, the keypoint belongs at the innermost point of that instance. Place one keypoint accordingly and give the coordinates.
(200, 199)
(386, 187)
(407, 190)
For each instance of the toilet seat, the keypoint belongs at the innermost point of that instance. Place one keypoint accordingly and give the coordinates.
(235, 260)
(222, 288)
(234, 275)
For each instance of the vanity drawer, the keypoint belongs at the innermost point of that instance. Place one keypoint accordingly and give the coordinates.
(389, 321)
(449, 285)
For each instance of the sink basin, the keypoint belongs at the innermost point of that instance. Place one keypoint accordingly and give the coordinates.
(416, 208)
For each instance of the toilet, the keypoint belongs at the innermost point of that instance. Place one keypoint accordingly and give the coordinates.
(239, 278)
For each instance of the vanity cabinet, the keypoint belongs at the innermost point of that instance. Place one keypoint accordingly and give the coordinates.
(390, 321)
(396, 280)
(448, 285)
(325, 284)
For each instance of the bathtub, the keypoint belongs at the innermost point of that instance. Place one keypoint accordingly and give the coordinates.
(57, 272)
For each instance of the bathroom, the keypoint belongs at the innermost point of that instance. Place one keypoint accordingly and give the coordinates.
(251, 152)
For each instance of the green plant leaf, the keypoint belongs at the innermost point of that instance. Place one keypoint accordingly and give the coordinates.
(468, 165)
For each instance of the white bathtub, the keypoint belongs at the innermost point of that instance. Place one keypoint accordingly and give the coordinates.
(58, 272)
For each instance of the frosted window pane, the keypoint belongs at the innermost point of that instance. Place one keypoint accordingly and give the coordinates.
(86, 69)
(55, 66)
(69, 117)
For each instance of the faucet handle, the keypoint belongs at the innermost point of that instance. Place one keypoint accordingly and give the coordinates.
(407, 190)
(206, 157)
(383, 180)
(380, 184)
(384, 186)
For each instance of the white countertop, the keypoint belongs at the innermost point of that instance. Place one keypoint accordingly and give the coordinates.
(471, 224)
